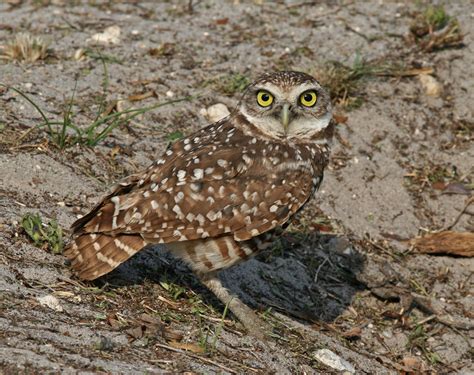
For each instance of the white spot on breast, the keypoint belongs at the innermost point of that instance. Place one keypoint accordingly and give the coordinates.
(187, 147)
(198, 173)
(211, 200)
(177, 209)
(222, 163)
(181, 174)
(209, 170)
(190, 217)
(246, 159)
(212, 215)
(146, 194)
(244, 207)
(200, 219)
(179, 197)
(154, 204)
(169, 152)
(273, 208)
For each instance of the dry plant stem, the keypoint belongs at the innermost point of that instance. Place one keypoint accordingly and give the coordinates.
(469, 201)
(252, 323)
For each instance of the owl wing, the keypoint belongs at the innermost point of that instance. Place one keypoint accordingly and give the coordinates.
(205, 193)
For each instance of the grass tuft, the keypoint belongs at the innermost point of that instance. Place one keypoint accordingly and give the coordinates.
(66, 132)
(231, 84)
(24, 48)
(345, 83)
(47, 236)
(433, 29)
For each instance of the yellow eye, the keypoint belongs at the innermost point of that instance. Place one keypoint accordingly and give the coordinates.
(264, 98)
(308, 98)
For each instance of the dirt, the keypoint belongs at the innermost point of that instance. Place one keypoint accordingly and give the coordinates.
(344, 277)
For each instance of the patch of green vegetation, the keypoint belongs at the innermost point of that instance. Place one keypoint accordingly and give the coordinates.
(433, 29)
(418, 340)
(89, 52)
(346, 83)
(67, 132)
(232, 84)
(174, 136)
(48, 235)
(173, 289)
(436, 17)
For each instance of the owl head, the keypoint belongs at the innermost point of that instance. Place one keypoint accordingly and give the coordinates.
(287, 105)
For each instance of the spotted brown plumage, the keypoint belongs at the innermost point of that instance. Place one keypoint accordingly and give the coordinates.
(216, 196)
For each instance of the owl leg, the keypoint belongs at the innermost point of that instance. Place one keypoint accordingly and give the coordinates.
(252, 323)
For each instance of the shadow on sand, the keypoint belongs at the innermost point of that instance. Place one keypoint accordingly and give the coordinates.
(312, 279)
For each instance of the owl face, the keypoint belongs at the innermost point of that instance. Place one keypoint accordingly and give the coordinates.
(287, 105)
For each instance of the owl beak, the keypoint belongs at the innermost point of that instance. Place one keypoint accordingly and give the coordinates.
(285, 116)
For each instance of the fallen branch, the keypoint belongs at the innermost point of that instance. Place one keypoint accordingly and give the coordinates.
(447, 242)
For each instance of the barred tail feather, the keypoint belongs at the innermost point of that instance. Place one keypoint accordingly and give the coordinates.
(94, 254)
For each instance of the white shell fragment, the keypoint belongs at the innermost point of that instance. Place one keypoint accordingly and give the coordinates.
(111, 35)
(332, 360)
(50, 301)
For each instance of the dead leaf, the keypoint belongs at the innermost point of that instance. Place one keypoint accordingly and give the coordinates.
(438, 185)
(136, 332)
(340, 119)
(354, 333)
(186, 346)
(222, 21)
(456, 188)
(447, 242)
(412, 363)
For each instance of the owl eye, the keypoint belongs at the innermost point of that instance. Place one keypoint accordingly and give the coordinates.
(308, 98)
(264, 98)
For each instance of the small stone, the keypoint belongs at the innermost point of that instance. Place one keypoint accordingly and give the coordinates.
(111, 35)
(430, 84)
(50, 301)
(332, 360)
(169, 94)
(217, 112)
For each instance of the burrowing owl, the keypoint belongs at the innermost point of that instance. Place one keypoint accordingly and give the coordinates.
(216, 196)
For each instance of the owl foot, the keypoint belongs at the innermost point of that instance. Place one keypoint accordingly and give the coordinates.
(255, 326)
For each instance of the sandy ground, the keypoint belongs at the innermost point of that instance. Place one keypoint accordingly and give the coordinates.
(344, 278)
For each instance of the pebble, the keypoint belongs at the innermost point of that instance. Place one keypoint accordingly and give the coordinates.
(217, 112)
(431, 86)
(332, 360)
(111, 35)
(50, 301)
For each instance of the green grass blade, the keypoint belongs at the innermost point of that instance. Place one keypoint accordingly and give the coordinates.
(46, 119)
